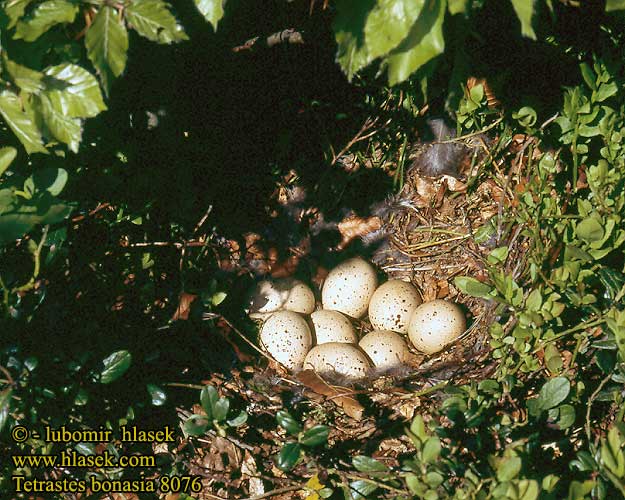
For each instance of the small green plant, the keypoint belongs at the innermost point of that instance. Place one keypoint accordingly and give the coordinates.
(292, 452)
(217, 409)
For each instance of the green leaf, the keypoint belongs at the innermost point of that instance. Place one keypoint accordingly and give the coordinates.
(286, 420)
(349, 29)
(25, 78)
(14, 9)
(367, 464)
(157, 394)
(315, 436)
(589, 75)
(457, 6)
(73, 91)
(239, 420)
(220, 409)
(18, 219)
(424, 42)
(50, 179)
(417, 427)
(107, 44)
(473, 287)
(605, 91)
(152, 19)
(212, 10)
(566, 416)
(64, 129)
(21, 122)
(431, 450)
(361, 489)
(578, 491)
(7, 155)
(115, 366)
(208, 398)
(196, 425)
(508, 468)
(611, 5)
(43, 17)
(525, 11)
(528, 489)
(553, 392)
(289, 456)
(389, 23)
(590, 229)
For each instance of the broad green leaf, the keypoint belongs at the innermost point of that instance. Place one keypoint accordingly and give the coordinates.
(286, 420)
(212, 10)
(578, 491)
(417, 427)
(25, 78)
(196, 425)
(152, 19)
(115, 366)
(431, 450)
(17, 220)
(525, 11)
(368, 464)
(21, 122)
(289, 456)
(73, 91)
(361, 489)
(388, 23)
(590, 229)
(239, 420)
(508, 468)
(349, 25)
(566, 417)
(50, 179)
(107, 44)
(7, 155)
(605, 91)
(553, 392)
(62, 128)
(473, 287)
(589, 75)
(614, 5)
(220, 409)
(315, 435)
(208, 398)
(528, 489)
(424, 42)
(14, 9)
(43, 17)
(157, 394)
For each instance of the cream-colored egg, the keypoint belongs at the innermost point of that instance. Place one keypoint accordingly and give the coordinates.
(287, 338)
(435, 324)
(385, 348)
(332, 326)
(337, 358)
(392, 304)
(289, 294)
(349, 287)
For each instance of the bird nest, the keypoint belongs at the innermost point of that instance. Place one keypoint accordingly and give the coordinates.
(437, 229)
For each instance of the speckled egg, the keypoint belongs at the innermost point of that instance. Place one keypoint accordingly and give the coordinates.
(337, 358)
(385, 348)
(392, 304)
(349, 287)
(287, 338)
(435, 324)
(332, 326)
(289, 294)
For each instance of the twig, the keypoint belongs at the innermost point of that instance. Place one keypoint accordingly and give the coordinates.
(289, 35)
(593, 396)
(273, 493)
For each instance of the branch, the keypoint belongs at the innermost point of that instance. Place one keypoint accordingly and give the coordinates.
(289, 35)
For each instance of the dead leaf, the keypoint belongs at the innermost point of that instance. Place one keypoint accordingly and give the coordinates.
(336, 394)
(184, 306)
